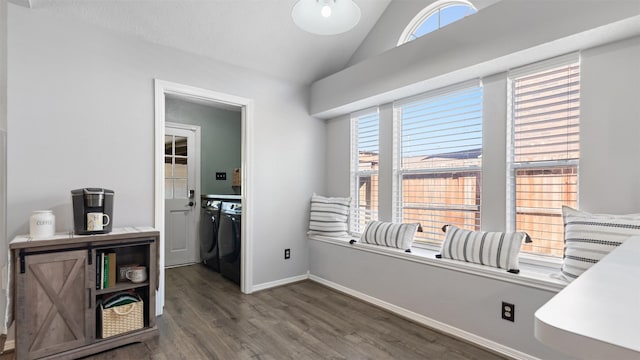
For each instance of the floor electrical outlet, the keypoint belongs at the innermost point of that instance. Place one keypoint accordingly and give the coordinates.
(287, 253)
(508, 311)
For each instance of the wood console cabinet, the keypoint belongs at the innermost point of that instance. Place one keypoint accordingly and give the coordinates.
(57, 292)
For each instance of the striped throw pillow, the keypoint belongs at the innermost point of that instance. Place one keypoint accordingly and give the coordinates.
(329, 216)
(590, 237)
(497, 249)
(389, 234)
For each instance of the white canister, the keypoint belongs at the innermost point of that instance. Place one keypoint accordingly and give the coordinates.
(42, 224)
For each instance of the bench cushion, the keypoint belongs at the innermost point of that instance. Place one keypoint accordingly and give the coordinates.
(329, 216)
(497, 249)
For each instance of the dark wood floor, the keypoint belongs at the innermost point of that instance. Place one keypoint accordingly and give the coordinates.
(207, 317)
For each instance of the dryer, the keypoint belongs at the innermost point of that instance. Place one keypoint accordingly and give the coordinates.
(211, 204)
(209, 225)
(230, 239)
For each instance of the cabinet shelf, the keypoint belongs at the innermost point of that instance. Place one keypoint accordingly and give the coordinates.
(122, 286)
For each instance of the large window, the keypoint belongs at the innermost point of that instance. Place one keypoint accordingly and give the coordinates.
(435, 16)
(438, 168)
(435, 177)
(365, 142)
(544, 150)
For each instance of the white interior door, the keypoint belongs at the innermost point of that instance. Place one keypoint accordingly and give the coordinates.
(180, 162)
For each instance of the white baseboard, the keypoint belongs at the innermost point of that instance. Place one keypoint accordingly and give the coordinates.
(280, 282)
(440, 326)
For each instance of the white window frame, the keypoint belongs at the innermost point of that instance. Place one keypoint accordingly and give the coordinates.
(512, 166)
(427, 12)
(354, 219)
(397, 162)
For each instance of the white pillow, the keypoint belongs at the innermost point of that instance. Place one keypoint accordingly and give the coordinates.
(389, 234)
(590, 237)
(329, 216)
(497, 249)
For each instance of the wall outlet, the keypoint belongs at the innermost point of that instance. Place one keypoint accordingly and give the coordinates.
(508, 311)
(287, 254)
(221, 176)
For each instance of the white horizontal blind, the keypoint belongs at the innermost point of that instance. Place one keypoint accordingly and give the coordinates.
(364, 164)
(440, 155)
(545, 119)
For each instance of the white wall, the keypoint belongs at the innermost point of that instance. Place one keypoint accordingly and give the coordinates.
(494, 156)
(609, 128)
(610, 124)
(385, 34)
(504, 35)
(3, 143)
(338, 156)
(466, 302)
(81, 114)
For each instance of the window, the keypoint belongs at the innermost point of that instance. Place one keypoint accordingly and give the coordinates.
(435, 16)
(175, 167)
(365, 143)
(439, 142)
(544, 150)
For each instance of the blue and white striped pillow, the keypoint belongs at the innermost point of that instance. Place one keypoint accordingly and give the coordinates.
(497, 249)
(329, 216)
(389, 234)
(590, 237)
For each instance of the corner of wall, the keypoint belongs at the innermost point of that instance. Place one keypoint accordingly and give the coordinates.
(3, 122)
(3, 148)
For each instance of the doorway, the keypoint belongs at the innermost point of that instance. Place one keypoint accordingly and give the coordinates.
(164, 88)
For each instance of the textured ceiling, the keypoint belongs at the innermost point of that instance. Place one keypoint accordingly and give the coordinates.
(254, 34)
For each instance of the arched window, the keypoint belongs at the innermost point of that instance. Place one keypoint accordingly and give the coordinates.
(439, 14)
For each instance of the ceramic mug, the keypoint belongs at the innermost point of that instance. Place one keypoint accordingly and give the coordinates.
(137, 274)
(96, 221)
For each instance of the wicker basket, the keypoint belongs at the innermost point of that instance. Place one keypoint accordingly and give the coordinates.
(122, 319)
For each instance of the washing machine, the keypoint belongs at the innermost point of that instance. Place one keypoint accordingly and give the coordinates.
(209, 225)
(229, 240)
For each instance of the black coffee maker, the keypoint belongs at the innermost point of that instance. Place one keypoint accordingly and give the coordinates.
(88, 202)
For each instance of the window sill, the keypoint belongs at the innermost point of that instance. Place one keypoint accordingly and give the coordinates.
(531, 275)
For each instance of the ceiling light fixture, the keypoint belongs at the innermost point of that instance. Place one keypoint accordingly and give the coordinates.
(325, 17)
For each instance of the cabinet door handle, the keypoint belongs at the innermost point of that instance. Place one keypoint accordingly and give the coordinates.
(89, 297)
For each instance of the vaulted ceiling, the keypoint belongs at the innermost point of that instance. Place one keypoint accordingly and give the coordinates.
(254, 34)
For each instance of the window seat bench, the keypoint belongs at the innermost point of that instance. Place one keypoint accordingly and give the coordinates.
(536, 276)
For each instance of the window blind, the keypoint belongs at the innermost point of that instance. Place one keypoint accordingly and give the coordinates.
(440, 155)
(545, 149)
(365, 163)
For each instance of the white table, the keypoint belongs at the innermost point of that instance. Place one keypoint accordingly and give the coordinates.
(597, 316)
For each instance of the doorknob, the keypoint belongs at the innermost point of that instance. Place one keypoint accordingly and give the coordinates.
(191, 203)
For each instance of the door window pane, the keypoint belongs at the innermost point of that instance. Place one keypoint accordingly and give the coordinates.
(168, 168)
(168, 188)
(175, 167)
(181, 146)
(168, 145)
(180, 170)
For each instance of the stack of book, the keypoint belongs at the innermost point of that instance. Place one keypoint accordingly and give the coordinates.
(105, 270)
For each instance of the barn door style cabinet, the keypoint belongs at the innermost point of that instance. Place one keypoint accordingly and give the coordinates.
(60, 283)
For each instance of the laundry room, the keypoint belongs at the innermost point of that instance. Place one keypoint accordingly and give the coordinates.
(203, 208)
